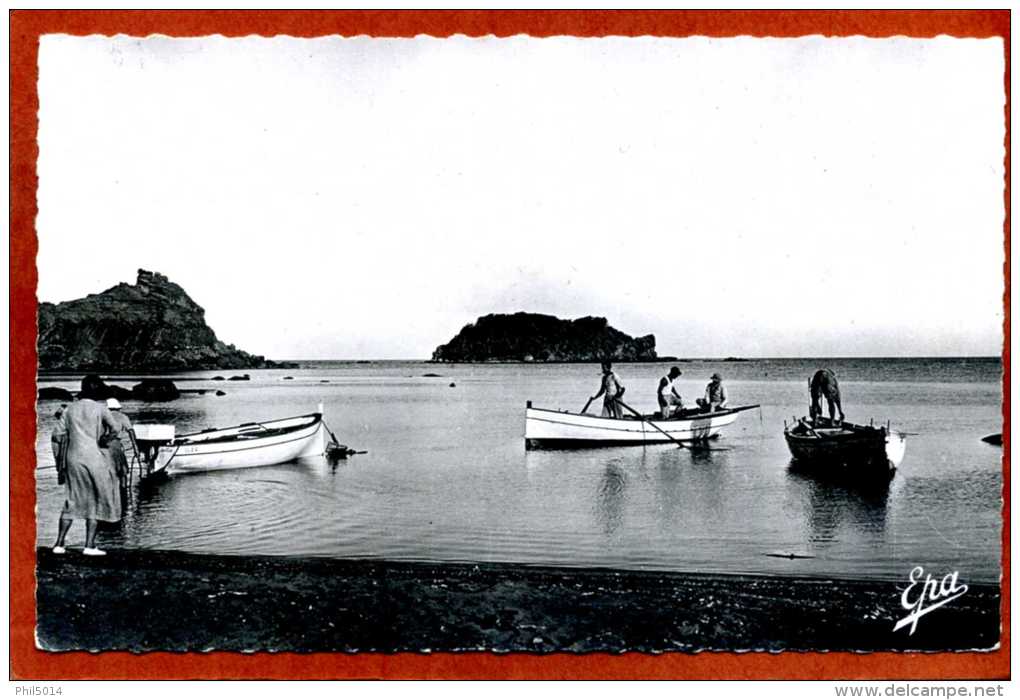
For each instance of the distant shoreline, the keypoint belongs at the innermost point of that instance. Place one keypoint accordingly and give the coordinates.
(115, 374)
(659, 360)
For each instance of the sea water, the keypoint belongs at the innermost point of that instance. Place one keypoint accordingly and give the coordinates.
(446, 476)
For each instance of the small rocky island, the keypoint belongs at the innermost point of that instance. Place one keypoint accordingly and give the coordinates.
(527, 337)
(152, 325)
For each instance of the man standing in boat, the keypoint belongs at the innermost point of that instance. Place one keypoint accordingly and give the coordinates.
(715, 395)
(612, 389)
(824, 383)
(669, 398)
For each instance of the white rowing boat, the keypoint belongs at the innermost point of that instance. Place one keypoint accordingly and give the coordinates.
(545, 428)
(238, 447)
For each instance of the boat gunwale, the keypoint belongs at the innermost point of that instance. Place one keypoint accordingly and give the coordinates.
(592, 443)
(690, 423)
(177, 454)
(189, 439)
(846, 438)
(644, 419)
(849, 433)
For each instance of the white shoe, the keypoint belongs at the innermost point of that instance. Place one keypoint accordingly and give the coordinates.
(93, 552)
(59, 550)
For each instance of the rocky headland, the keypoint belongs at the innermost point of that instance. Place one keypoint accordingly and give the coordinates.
(151, 326)
(527, 337)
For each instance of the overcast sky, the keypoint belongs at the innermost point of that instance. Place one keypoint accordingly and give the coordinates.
(366, 198)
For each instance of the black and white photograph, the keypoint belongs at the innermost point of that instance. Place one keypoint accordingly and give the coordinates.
(520, 344)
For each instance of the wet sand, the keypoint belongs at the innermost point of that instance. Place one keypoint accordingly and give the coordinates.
(148, 600)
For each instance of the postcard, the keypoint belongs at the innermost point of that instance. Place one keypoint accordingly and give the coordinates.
(515, 346)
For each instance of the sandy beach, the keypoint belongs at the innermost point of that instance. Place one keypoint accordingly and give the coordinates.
(148, 600)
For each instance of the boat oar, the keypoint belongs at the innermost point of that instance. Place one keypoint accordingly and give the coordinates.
(678, 443)
(587, 404)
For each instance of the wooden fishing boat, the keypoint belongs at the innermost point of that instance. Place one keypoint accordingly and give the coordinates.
(836, 446)
(545, 428)
(238, 447)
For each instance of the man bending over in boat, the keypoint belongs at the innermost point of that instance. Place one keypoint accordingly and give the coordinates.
(824, 383)
(669, 398)
(612, 389)
(715, 395)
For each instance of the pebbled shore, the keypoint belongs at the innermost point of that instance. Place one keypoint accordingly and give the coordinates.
(149, 600)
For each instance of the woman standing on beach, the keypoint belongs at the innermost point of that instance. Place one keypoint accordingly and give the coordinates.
(93, 489)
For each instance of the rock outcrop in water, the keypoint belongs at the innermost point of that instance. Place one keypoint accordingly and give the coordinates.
(55, 393)
(524, 337)
(156, 390)
(146, 390)
(152, 325)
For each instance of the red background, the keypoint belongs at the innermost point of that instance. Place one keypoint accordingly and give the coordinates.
(27, 662)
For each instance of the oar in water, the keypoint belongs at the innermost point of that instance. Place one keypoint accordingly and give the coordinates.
(678, 443)
(789, 555)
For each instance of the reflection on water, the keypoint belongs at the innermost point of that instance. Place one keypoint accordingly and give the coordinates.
(833, 504)
(258, 505)
(610, 498)
(446, 476)
(706, 453)
(671, 490)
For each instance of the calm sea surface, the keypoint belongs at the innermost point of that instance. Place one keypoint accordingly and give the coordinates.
(446, 477)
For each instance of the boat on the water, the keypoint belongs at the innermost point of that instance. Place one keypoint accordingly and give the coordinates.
(246, 445)
(841, 446)
(546, 428)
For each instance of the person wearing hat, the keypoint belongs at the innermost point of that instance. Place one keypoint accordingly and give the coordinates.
(715, 395)
(115, 451)
(668, 397)
(123, 422)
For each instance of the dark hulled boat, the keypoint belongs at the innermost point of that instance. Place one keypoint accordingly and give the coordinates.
(830, 445)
